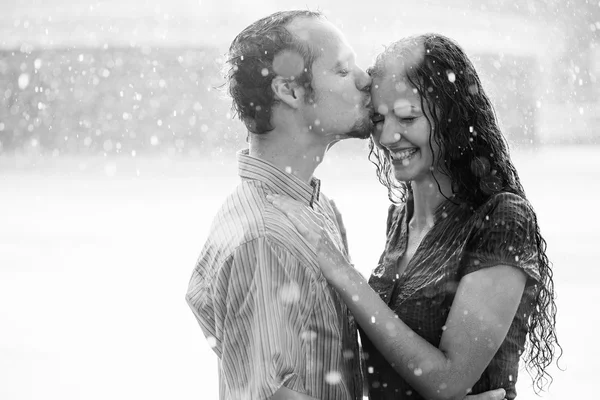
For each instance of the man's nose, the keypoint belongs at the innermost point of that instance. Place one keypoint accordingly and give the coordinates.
(363, 81)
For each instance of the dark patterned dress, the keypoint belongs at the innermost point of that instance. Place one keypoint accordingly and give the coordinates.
(462, 240)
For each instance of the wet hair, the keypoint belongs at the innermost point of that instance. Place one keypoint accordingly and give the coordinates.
(473, 153)
(250, 62)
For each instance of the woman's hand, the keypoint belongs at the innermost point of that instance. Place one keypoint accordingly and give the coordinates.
(310, 225)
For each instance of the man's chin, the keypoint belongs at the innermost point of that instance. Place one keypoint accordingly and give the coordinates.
(359, 135)
(361, 132)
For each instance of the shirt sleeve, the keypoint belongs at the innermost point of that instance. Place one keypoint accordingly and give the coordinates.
(504, 234)
(263, 320)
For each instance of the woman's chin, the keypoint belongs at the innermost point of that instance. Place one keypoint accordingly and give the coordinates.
(402, 176)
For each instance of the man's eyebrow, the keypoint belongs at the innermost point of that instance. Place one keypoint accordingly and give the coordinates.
(339, 64)
(345, 58)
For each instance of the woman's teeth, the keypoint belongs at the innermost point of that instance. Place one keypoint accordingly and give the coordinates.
(403, 154)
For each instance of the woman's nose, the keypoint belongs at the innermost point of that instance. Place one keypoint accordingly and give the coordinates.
(390, 134)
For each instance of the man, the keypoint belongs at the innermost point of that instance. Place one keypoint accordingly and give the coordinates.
(277, 328)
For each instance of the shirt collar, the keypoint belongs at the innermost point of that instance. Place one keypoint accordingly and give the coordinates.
(284, 183)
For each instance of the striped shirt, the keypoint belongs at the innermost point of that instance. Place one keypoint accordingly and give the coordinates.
(262, 301)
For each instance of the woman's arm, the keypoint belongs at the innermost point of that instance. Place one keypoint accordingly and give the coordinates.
(481, 314)
(483, 309)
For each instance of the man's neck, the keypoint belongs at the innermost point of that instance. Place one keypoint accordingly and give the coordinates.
(289, 153)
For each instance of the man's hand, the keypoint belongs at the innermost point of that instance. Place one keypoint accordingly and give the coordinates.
(497, 394)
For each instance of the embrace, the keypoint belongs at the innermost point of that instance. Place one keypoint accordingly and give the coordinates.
(463, 289)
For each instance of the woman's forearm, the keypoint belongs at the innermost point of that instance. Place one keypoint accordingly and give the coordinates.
(425, 367)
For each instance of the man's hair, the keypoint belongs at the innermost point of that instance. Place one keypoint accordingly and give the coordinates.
(251, 71)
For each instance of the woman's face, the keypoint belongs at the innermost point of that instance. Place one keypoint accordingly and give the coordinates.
(401, 128)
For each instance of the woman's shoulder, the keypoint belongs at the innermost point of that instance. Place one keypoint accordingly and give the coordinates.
(507, 204)
(396, 209)
(395, 214)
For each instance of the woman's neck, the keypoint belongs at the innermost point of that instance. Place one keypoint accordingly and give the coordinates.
(428, 194)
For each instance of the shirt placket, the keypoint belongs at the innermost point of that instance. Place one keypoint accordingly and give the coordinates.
(349, 331)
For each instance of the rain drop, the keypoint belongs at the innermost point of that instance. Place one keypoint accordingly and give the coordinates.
(212, 341)
(23, 81)
(333, 377)
(451, 76)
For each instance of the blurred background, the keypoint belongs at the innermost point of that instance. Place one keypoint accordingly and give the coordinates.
(117, 146)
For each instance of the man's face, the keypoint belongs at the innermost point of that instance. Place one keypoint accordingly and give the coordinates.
(340, 103)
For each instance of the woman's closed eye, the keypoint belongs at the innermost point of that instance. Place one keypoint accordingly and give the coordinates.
(407, 120)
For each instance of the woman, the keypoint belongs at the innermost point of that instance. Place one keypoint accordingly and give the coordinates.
(464, 277)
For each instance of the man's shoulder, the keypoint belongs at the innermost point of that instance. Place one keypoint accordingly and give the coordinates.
(240, 218)
(238, 222)
(246, 216)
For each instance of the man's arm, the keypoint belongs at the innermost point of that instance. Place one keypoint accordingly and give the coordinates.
(265, 304)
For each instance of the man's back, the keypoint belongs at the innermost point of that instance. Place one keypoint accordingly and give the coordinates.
(260, 298)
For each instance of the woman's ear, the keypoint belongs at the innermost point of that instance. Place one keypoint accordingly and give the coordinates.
(288, 91)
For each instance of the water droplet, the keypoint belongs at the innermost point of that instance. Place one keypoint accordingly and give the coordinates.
(382, 109)
(289, 293)
(107, 146)
(288, 64)
(402, 108)
(333, 377)
(308, 335)
(212, 341)
(348, 354)
(23, 81)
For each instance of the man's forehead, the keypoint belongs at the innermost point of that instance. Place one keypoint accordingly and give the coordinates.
(321, 35)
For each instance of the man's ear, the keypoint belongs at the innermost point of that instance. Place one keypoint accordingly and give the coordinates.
(288, 91)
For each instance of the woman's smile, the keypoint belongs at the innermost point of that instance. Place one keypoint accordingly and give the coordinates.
(403, 156)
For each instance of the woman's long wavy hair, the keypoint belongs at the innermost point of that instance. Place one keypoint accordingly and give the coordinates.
(473, 154)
